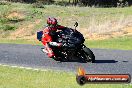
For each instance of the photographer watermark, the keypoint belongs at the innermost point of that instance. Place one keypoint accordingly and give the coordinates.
(83, 78)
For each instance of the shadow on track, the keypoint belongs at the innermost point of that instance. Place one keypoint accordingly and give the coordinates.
(105, 61)
(71, 60)
(74, 59)
(96, 61)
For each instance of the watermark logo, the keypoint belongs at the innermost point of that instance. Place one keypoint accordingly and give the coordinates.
(83, 78)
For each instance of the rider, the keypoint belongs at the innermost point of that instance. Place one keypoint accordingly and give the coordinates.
(49, 34)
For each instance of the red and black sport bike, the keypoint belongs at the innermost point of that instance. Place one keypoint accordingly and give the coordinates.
(72, 46)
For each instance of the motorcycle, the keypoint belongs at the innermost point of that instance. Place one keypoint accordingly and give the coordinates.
(73, 45)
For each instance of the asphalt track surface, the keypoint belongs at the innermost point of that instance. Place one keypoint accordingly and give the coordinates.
(107, 60)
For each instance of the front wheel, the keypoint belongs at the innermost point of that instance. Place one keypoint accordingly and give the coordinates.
(90, 57)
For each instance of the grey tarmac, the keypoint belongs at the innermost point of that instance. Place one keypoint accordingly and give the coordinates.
(107, 60)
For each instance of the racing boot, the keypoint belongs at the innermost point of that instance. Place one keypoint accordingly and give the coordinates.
(44, 50)
(50, 53)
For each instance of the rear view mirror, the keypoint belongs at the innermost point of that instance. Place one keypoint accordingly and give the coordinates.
(76, 24)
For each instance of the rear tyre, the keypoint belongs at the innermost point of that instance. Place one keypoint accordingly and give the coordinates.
(90, 57)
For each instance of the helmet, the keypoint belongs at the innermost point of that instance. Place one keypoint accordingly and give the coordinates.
(52, 21)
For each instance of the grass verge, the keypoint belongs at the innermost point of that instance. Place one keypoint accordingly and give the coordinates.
(123, 43)
(22, 78)
(20, 41)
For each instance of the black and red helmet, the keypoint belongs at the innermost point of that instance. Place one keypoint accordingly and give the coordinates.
(52, 21)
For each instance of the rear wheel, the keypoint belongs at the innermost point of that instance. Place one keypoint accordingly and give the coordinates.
(88, 55)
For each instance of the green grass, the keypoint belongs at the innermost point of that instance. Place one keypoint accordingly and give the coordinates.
(84, 15)
(22, 78)
(122, 43)
(20, 41)
(66, 15)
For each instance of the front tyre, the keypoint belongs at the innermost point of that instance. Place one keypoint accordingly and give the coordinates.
(90, 57)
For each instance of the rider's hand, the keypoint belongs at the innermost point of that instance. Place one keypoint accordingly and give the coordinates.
(58, 30)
